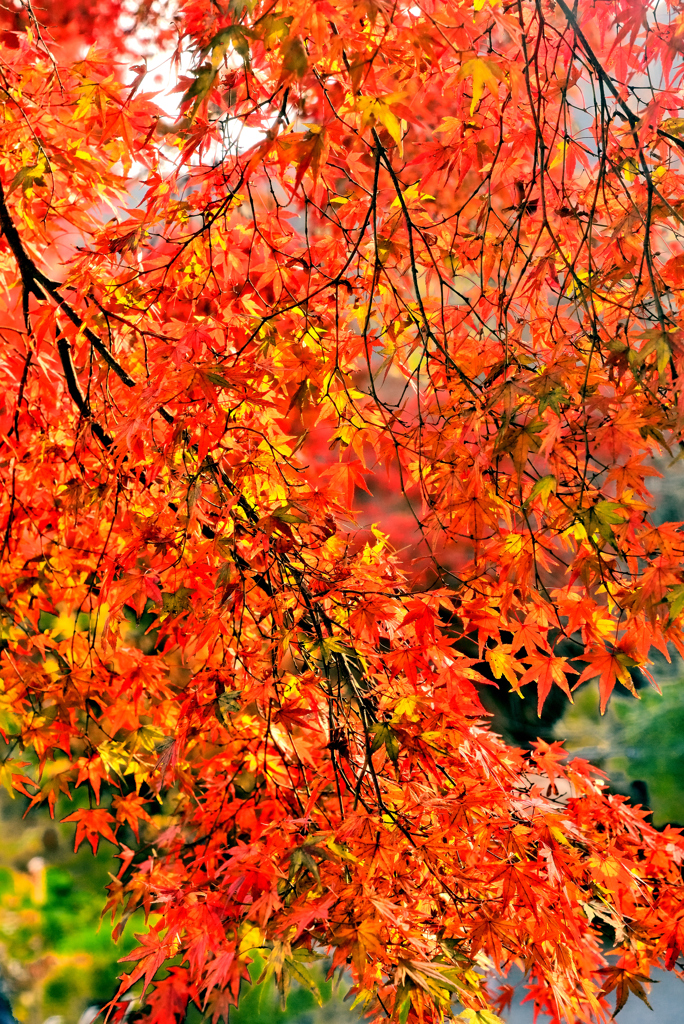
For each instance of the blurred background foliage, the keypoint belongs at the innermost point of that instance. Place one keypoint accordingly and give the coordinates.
(57, 956)
(635, 742)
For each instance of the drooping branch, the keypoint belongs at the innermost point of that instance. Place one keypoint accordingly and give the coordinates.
(74, 389)
(37, 284)
(596, 64)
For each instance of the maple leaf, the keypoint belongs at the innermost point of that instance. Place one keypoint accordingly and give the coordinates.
(385, 736)
(519, 441)
(219, 1005)
(504, 663)
(546, 670)
(93, 769)
(91, 824)
(50, 790)
(543, 488)
(169, 999)
(29, 177)
(623, 981)
(675, 944)
(344, 478)
(16, 780)
(130, 810)
(479, 1017)
(200, 88)
(484, 73)
(151, 954)
(612, 666)
(314, 150)
(295, 62)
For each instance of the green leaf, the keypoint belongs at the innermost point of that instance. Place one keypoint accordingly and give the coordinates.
(271, 28)
(601, 518)
(675, 599)
(233, 35)
(384, 734)
(610, 513)
(301, 858)
(295, 60)
(226, 704)
(28, 177)
(115, 757)
(330, 645)
(224, 574)
(9, 774)
(201, 87)
(403, 1004)
(303, 975)
(245, 784)
(176, 603)
(545, 486)
(286, 516)
(552, 398)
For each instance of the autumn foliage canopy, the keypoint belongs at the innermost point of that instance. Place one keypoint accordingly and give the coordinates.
(326, 402)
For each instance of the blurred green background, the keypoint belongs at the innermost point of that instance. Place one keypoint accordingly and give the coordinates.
(57, 956)
(635, 741)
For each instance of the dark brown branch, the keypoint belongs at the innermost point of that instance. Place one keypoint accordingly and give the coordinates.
(596, 64)
(37, 284)
(74, 389)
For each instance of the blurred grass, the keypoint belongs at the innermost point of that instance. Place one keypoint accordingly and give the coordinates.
(261, 1004)
(636, 740)
(57, 955)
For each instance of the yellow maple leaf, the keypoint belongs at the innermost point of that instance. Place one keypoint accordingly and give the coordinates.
(484, 73)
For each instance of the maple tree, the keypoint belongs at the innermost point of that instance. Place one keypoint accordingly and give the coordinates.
(325, 403)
